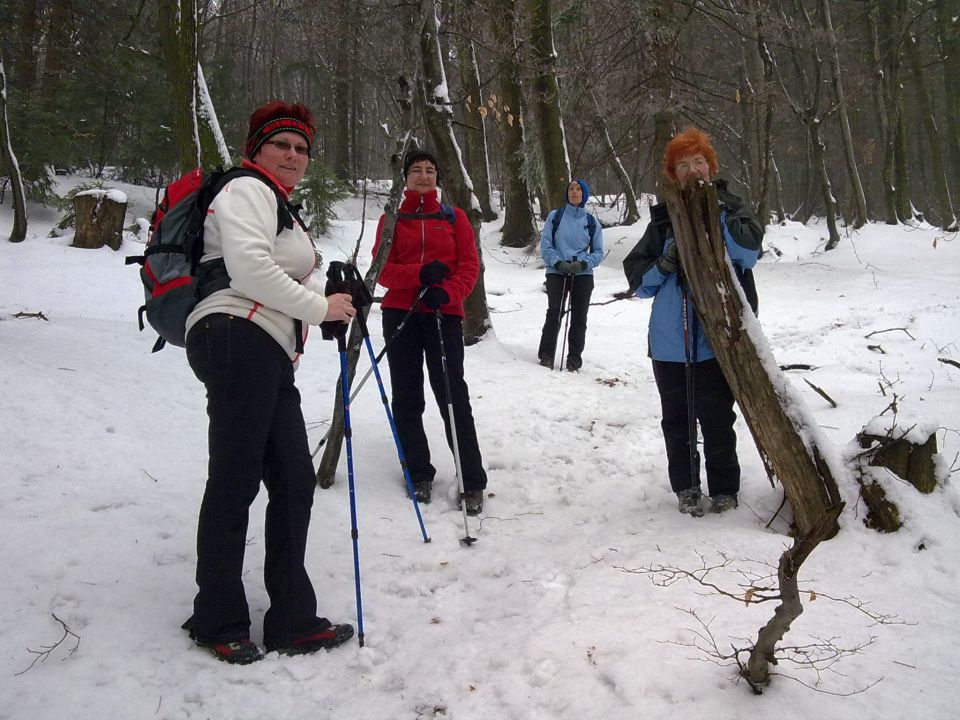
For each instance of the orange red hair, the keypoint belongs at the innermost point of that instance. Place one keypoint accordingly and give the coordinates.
(690, 142)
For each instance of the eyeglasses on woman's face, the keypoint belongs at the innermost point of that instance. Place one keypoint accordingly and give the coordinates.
(284, 146)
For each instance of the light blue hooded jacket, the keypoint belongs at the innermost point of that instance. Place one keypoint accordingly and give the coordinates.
(572, 241)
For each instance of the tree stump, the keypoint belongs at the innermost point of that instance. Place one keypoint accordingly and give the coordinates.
(905, 458)
(99, 218)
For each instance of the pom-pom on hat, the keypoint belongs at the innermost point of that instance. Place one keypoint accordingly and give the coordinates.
(276, 117)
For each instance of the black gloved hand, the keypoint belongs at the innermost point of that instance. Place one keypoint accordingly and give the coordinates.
(433, 273)
(660, 217)
(583, 265)
(567, 268)
(434, 298)
(670, 260)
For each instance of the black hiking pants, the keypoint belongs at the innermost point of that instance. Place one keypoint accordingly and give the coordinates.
(256, 433)
(579, 288)
(418, 341)
(713, 403)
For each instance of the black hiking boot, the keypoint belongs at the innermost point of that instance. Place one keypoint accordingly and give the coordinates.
(546, 361)
(241, 652)
(722, 503)
(689, 502)
(327, 639)
(574, 363)
(473, 501)
(422, 490)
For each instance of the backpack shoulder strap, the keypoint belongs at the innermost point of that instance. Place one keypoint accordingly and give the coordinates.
(449, 214)
(286, 212)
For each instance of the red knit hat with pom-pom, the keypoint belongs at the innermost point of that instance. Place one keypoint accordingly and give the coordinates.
(276, 117)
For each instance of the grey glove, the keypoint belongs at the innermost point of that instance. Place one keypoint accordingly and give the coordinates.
(670, 260)
(570, 268)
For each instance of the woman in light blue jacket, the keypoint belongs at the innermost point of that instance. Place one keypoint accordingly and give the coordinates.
(571, 245)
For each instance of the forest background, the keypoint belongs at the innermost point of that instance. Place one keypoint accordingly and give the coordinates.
(848, 110)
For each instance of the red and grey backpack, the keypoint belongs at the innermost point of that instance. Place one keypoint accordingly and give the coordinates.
(174, 279)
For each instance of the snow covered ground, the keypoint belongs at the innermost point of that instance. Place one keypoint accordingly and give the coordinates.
(103, 455)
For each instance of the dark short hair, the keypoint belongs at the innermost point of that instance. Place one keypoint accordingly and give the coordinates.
(415, 156)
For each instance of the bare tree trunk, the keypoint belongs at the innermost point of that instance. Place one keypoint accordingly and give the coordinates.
(519, 227)
(326, 471)
(943, 206)
(343, 95)
(178, 40)
(853, 172)
(12, 168)
(546, 104)
(474, 129)
(948, 34)
(886, 57)
(787, 450)
(826, 190)
(438, 117)
(760, 72)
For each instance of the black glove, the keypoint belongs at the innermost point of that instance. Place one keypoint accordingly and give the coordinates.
(331, 329)
(660, 217)
(434, 298)
(670, 260)
(583, 265)
(433, 273)
(568, 268)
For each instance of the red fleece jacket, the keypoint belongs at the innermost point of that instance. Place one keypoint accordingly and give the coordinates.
(419, 242)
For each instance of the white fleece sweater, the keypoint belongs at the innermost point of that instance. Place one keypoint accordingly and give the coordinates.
(264, 268)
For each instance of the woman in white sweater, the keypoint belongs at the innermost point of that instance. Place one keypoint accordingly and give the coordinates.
(244, 343)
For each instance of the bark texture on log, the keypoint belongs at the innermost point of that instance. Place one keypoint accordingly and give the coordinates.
(99, 220)
(776, 427)
(908, 460)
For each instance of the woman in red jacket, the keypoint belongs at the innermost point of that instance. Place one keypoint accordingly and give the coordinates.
(433, 252)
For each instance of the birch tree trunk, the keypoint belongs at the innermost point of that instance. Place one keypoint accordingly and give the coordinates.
(761, 391)
(457, 186)
(12, 168)
(519, 227)
(546, 104)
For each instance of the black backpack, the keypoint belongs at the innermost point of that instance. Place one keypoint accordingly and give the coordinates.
(174, 279)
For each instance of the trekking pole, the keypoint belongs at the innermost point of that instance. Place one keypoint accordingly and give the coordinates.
(362, 298)
(466, 540)
(563, 300)
(689, 356)
(376, 360)
(565, 314)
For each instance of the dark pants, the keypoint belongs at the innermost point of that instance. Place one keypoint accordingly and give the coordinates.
(713, 407)
(579, 288)
(256, 433)
(406, 353)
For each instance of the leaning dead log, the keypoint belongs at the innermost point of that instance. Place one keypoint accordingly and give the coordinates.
(782, 433)
(98, 216)
(788, 453)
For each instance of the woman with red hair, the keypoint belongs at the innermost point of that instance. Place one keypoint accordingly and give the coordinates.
(244, 341)
(677, 344)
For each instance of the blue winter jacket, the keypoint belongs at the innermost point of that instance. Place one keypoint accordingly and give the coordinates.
(742, 235)
(571, 241)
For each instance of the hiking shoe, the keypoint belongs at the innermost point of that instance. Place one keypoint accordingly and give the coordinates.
(546, 361)
(333, 636)
(722, 503)
(473, 502)
(574, 363)
(241, 652)
(689, 502)
(422, 490)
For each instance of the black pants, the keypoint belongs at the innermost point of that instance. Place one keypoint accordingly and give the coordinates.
(579, 288)
(418, 341)
(256, 433)
(713, 406)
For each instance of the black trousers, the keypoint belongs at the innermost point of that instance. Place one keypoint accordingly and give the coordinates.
(713, 407)
(580, 288)
(256, 433)
(419, 341)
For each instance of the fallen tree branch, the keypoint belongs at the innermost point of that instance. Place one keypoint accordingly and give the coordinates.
(42, 655)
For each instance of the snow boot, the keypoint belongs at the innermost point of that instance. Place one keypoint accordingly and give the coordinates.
(722, 503)
(332, 636)
(474, 502)
(689, 502)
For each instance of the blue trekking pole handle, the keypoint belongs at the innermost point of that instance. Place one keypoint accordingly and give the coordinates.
(348, 435)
